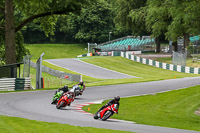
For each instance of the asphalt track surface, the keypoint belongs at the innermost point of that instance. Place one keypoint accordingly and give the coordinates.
(84, 68)
(36, 105)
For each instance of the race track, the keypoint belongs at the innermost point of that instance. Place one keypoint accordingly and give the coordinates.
(36, 105)
(84, 68)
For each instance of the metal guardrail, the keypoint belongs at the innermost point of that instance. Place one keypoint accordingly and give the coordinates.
(11, 84)
(60, 74)
(7, 84)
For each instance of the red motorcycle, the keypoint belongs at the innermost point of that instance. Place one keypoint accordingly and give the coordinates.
(107, 112)
(65, 100)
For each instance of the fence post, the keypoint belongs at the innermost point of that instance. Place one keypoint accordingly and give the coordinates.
(39, 72)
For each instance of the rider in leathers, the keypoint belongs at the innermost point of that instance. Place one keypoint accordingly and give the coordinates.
(81, 86)
(113, 101)
(64, 89)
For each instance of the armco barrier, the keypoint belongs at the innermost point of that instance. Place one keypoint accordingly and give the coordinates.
(84, 55)
(22, 84)
(7, 84)
(184, 69)
(113, 53)
(11, 84)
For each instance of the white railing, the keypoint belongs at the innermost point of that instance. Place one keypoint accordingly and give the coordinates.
(27, 84)
(9, 84)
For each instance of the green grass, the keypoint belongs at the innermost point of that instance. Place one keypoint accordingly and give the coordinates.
(54, 51)
(144, 72)
(171, 109)
(20, 125)
(50, 81)
(169, 61)
(85, 78)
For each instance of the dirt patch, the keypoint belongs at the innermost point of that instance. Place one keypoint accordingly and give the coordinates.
(197, 112)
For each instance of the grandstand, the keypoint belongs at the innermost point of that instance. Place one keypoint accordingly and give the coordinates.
(194, 39)
(128, 43)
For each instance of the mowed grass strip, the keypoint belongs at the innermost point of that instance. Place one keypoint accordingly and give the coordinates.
(126, 66)
(171, 109)
(20, 125)
(55, 51)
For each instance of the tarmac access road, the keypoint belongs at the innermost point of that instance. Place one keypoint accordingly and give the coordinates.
(91, 70)
(35, 105)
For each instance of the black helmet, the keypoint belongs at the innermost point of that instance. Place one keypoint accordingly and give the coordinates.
(81, 83)
(66, 87)
(117, 98)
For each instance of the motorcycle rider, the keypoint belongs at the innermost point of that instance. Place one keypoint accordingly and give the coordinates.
(64, 89)
(81, 85)
(113, 101)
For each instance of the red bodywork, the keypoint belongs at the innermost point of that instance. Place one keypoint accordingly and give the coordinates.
(113, 108)
(67, 98)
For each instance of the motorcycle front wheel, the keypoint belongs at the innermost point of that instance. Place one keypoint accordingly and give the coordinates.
(54, 101)
(107, 115)
(60, 105)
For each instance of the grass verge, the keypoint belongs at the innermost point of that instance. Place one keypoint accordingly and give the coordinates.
(144, 72)
(168, 60)
(55, 51)
(171, 109)
(20, 125)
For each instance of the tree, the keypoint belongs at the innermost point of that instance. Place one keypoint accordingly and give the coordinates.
(174, 18)
(28, 10)
(10, 48)
(185, 19)
(2, 33)
(122, 21)
(157, 19)
(92, 25)
(127, 20)
(132, 16)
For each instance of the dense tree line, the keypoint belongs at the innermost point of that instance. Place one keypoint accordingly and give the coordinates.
(91, 21)
(92, 25)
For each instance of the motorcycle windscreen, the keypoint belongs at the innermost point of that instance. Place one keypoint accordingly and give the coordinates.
(116, 106)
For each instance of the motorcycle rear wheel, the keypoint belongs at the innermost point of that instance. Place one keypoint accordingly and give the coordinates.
(95, 116)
